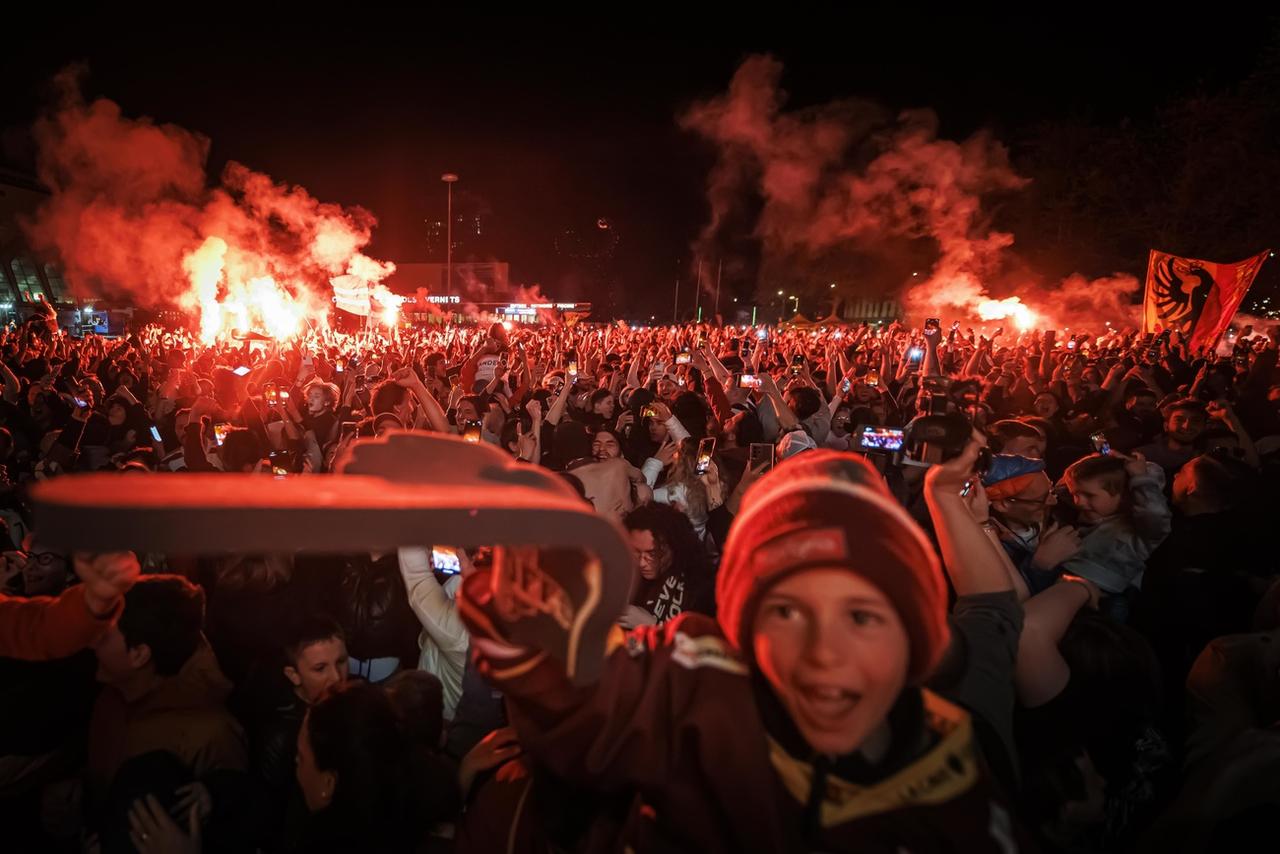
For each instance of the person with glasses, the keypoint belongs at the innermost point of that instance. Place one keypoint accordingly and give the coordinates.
(1021, 497)
(40, 628)
(37, 570)
(675, 574)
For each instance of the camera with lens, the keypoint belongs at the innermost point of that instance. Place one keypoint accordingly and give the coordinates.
(940, 434)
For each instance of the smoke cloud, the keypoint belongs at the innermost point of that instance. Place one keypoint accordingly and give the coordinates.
(132, 215)
(849, 177)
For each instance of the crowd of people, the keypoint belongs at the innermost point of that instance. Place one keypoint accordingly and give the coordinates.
(1051, 630)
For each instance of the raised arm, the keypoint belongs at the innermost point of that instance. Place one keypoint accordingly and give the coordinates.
(972, 559)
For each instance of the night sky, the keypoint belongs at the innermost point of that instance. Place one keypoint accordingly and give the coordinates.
(552, 124)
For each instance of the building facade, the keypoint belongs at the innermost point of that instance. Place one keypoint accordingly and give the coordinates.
(24, 279)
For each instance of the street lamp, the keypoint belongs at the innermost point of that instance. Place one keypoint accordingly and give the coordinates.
(449, 179)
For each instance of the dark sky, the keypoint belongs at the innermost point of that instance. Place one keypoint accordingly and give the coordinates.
(555, 123)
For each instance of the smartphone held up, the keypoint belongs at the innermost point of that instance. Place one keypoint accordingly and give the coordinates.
(760, 457)
(706, 448)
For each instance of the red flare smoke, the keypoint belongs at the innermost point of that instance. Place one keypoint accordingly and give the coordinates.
(131, 214)
(846, 176)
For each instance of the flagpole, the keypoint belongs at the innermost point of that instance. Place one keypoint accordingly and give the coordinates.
(697, 297)
(719, 270)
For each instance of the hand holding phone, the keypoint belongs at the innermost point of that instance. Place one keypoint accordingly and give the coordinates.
(760, 457)
(706, 448)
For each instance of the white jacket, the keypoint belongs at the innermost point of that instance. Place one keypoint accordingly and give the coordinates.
(444, 639)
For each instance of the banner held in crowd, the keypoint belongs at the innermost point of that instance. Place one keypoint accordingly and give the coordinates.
(351, 294)
(1196, 298)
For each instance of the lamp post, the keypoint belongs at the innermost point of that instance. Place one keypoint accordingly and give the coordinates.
(449, 179)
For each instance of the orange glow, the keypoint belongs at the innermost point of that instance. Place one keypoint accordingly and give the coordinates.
(229, 304)
(1023, 317)
(390, 303)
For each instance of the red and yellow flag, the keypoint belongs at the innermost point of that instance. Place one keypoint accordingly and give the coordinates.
(1197, 298)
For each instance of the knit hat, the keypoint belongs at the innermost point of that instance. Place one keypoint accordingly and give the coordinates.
(831, 509)
(1009, 474)
(795, 442)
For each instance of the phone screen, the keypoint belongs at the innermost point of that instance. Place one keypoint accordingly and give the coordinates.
(280, 461)
(872, 379)
(872, 438)
(683, 358)
(271, 394)
(471, 431)
(573, 368)
(241, 371)
(932, 324)
(220, 431)
(845, 386)
(748, 381)
(706, 448)
(445, 560)
(1100, 443)
(155, 433)
(915, 354)
(760, 454)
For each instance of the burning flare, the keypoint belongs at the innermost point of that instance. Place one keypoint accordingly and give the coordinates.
(1023, 317)
(229, 304)
(390, 304)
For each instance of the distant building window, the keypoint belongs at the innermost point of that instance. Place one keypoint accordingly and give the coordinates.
(27, 279)
(57, 285)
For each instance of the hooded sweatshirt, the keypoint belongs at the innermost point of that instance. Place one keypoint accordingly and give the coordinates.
(184, 714)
